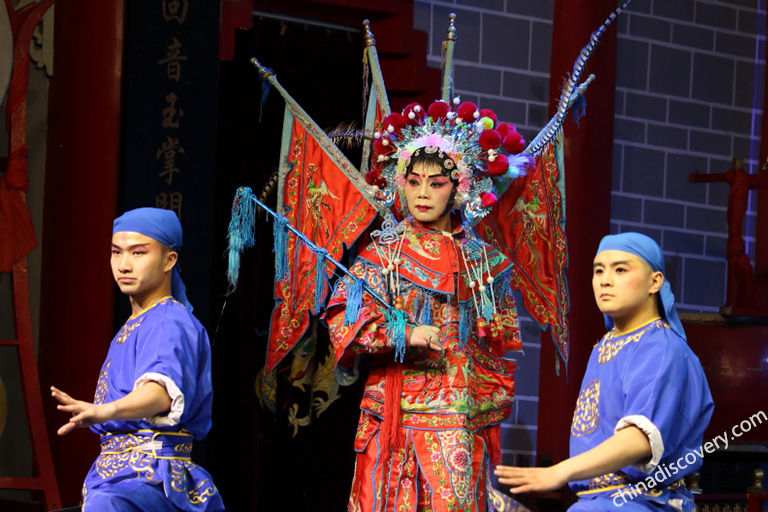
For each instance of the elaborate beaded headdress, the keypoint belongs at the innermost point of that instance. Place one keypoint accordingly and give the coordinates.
(485, 155)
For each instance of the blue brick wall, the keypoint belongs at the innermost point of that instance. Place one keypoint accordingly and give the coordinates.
(692, 104)
(689, 76)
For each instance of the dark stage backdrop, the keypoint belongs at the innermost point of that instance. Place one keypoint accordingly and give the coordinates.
(169, 127)
(257, 462)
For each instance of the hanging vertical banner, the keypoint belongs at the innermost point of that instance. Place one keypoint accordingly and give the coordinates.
(169, 125)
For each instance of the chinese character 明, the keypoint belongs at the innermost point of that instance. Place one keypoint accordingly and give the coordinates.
(172, 60)
(170, 201)
(170, 114)
(175, 10)
(169, 149)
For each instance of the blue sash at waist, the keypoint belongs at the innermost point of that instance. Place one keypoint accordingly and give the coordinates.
(161, 445)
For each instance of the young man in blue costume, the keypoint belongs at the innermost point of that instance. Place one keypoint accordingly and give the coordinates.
(154, 391)
(644, 402)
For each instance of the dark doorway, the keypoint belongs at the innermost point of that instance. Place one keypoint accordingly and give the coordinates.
(253, 454)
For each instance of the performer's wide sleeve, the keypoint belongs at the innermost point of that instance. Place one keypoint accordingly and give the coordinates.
(366, 334)
(166, 353)
(663, 395)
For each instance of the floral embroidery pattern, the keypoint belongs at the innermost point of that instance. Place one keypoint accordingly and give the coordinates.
(425, 244)
(102, 386)
(127, 329)
(452, 465)
(407, 467)
(459, 459)
(586, 416)
(438, 468)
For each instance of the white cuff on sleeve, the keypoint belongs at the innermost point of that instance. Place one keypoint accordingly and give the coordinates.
(177, 398)
(654, 438)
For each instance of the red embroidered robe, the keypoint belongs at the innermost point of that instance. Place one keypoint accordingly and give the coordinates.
(451, 404)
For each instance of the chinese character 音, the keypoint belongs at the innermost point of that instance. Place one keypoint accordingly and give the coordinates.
(172, 60)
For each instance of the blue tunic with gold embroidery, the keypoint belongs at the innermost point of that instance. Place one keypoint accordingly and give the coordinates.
(651, 379)
(145, 464)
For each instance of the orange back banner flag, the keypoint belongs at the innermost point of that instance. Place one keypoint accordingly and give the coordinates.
(528, 226)
(321, 195)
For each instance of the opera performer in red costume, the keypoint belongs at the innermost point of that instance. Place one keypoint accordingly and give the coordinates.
(429, 424)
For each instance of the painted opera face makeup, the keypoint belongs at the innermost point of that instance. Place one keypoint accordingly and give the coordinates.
(428, 192)
(141, 265)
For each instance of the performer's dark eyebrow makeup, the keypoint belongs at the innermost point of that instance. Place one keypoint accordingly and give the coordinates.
(612, 264)
(438, 175)
(131, 247)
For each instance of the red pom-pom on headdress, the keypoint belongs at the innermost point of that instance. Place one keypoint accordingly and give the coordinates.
(514, 143)
(489, 139)
(375, 178)
(488, 199)
(504, 129)
(414, 114)
(394, 121)
(383, 146)
(467, 112)
(486, 112)
(499, 165)
(438, 110)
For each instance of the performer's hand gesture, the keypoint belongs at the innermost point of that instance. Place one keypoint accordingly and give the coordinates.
(530, 479)
(147, 400)
(84, 414)
(426, 336)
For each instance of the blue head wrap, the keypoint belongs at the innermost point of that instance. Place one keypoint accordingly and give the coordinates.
(649, 251)
(163, 226)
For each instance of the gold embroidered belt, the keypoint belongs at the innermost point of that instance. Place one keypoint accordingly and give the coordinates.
(161, 445)
(619, 481)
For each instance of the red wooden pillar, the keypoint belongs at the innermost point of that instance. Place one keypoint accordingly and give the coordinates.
(77, 297)
(761, 231)
(588, 163)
